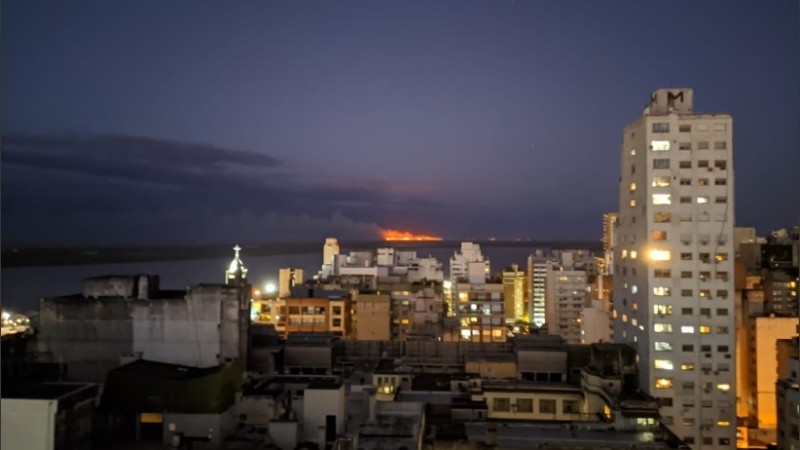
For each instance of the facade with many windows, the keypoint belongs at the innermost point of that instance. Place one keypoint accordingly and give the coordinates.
(673, 274)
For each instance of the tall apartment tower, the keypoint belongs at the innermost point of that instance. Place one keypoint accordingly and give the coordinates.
(673, 280)
(609, 241)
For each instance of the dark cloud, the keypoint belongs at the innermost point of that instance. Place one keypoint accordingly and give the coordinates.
(120, 189)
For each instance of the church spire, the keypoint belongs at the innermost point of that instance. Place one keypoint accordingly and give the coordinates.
(236, 272)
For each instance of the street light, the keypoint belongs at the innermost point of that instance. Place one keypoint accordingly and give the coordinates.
(269, 288)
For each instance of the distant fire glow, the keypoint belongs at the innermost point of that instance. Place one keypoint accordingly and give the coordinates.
(397, 235)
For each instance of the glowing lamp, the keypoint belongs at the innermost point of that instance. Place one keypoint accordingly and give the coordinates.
(269, 288)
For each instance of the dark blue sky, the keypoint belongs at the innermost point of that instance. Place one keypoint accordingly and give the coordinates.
(153, 122)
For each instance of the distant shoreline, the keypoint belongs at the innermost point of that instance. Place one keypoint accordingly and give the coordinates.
(31, 256)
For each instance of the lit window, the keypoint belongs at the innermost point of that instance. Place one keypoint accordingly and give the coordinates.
(724, 387)
(632, 202)
(721, 257)
(634, 289)
(662, 309)
(659, 146)
(663, 364)
(633, 152)
(634, 254)
(704, 329)
(723, 423)
(624, 318)
(632, 187)
(659, 235)
(661, 291)
(634, 322)
(687, 367)
(660, 255)
(687, 329)
(662, 327)
(661, 181)
(663, 383)
(663, 346)
(662, 199)
(662, 217)
(703, 199)
(623, 254)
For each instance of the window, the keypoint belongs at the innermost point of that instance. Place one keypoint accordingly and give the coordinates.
(722, 330)
(336, 322)
(662, 273)
(685, 146)
(702, 163)
(688, 348)
(660, 181)
(687, 329)
(704, 329)
(702, 200)
(686, 274)
(704, 275)
(720, 145)
(720, 199)
(721, 275)
(685, 128)
(685, 200)
(687, 311)
(720, 164)
(720, 181)
(663, 364)
(547, 406)
(632, 187)
(660, 255)
(662, 217)
(632, 203)
(337, 310)
(661, 291)
(659, 146)
(686, 256)
(686, 182)
(662, 309)
(662, 199)
(685, 164)
(705, 293)
(702, 145)
(524, 405)
(663, 346)
(659, 235)
(663, 383)
(722, 348)
(662, 327)
(719, 257)
(687, 367)
(702, 181)
(721, 293)
(686, 293)
(661, 163)
(708, 440)
(501, 404)
(724, 387)
(704, 257)
(661, 127)
(705, 312)
(569, 406)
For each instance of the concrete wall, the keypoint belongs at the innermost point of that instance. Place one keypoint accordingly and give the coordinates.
(89, 335)
(215, 426)
(200, 330)
(28, 424)
(326, 402)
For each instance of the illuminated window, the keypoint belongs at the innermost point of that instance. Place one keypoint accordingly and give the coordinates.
(662, 217)
(662, 309)
(703, 199)
(661, 181)
(660, 255)
(659, 146)
(624, 318)
(724, 387)
(659, 235)
(661, 291)
(632, 187)
(662, 199)
(702, 181)
(704, 329)
(687, 329)
(723, 423)
(662, 327)
(687, 367)
(663, 364)
(663, 383)
(663, 346)
(633, 152)
(632, 202)
(634, 254)
(721, 257)
(634, 289)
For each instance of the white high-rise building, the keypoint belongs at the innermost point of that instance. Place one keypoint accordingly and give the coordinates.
(673, 274)
(537, 274)
(460, 262)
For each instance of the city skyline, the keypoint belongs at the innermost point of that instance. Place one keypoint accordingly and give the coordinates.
(265, 122)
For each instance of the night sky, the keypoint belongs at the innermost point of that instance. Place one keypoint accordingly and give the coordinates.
(186, 122)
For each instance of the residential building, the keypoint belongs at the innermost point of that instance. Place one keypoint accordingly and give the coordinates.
(515, 288)
(788, 396)
(373, 317)
(610, 222)
(460, 262)
(288, 277)
(673, 289)
(595, 323)
(537, 276)
(565, 298)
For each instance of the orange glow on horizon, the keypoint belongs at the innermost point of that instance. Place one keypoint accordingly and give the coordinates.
(397, 235)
